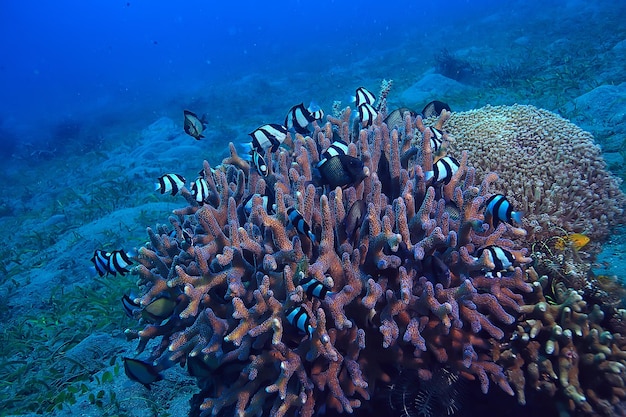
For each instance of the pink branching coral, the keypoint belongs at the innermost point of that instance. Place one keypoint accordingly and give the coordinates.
(398, 254)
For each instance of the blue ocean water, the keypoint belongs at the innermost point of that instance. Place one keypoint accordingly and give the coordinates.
(113, 62)
(91, 102)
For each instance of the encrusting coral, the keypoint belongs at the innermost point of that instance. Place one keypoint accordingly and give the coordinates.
(398, 255)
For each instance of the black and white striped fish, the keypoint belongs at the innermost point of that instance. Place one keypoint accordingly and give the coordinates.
(299, 318)
(499, 209)
(364, 96)
(265, 202)
(259, 163)
(316, 111)
(314, 288)
(434, 109)
(338, 147)
(367, 115)
(170, 183)
(131, 308)
(396, 117)
(299, 118)
(200, 190)
(436, 140)
(116, 262)
(269, 136)
(297, 221)
(443, 170)
(502, 258)
(194, 126)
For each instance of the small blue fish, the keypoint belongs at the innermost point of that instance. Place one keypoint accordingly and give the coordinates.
(299, 318)
(314, 288)
(499, 209)
(296, 219)
(502, 258)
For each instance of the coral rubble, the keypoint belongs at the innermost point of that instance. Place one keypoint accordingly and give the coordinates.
(404, 287)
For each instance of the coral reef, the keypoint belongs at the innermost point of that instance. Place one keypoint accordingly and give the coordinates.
(404, 287)
(548, 167)
(563, 349)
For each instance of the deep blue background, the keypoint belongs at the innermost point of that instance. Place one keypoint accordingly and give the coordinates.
(111, 62)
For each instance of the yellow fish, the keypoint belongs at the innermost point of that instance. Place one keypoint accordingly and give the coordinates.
(576, 240)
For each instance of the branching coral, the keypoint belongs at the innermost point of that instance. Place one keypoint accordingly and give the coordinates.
(398, 254)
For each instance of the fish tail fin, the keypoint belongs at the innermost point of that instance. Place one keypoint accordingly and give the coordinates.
(157, 186)
(517, 216)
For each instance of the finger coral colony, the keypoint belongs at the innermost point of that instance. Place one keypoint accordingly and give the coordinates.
(390, 273)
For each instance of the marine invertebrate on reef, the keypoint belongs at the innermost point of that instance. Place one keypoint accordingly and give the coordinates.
(548, 168)
(562, 350)
(275, 318)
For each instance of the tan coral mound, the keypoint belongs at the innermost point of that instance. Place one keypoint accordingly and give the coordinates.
(548, 167)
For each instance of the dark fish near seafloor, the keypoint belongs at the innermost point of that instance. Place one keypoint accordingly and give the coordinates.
(140, 371)
(193, 125)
